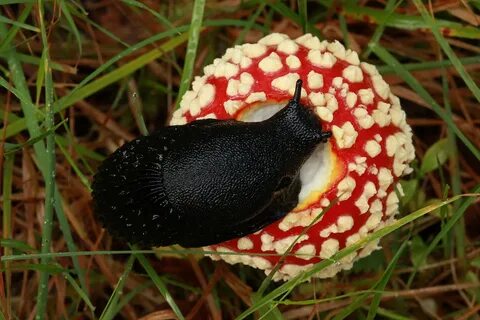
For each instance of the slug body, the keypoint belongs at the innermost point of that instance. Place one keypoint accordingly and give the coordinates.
(207, 181)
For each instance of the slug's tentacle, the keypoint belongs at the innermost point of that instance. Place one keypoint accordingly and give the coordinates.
(298, 92)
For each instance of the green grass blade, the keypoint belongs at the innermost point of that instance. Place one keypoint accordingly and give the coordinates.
(435, 156)
(159, 284)
(79, 291)
(67, 235)
(50, 268)
(40, 78)
(68, 16)
(455, 179)
(291, 284)
(169, 45)
(159, 17)
(42, 294)
(234, 23)
(380, 287)
(434, 27)
(14, 29)
(428, 65)
(329, 299)
(81, 150)
(286, 12)
(383, 54)
(136, 104)
(7, 224)
(199, 252)
(391, 315)
(389, 9)
(408, 22)
(56, 255)
(193, 39)
(17, 1)
(32, 141)
(71, 142)
(31, 123)
(119, 95)
(78, 172)
(21, 94)
(344, 28)
(445, 229)
(268, 279)
(250, 23)
(84, 16)
(129, 296)
(111, 309)
(80, 92)
(302, 12)
(56, 269)
(18, 24)
(10, 116)
(117, 74)
(10, 243)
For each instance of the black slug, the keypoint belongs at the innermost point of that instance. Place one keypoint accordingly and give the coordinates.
(207, 181)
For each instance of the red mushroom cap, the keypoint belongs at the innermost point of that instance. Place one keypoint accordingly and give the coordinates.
(361, 165)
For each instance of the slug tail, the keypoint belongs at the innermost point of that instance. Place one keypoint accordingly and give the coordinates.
(129, 194)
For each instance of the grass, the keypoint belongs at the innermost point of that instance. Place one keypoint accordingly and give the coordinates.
(77, 81)
(7, 228)
(44, 75)
(193, 39)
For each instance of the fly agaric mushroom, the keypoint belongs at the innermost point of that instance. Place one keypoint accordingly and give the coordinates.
(359, 168)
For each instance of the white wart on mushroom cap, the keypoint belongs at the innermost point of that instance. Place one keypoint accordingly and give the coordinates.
(370, 150)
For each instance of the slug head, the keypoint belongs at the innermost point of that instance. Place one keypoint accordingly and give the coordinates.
(303, 119)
